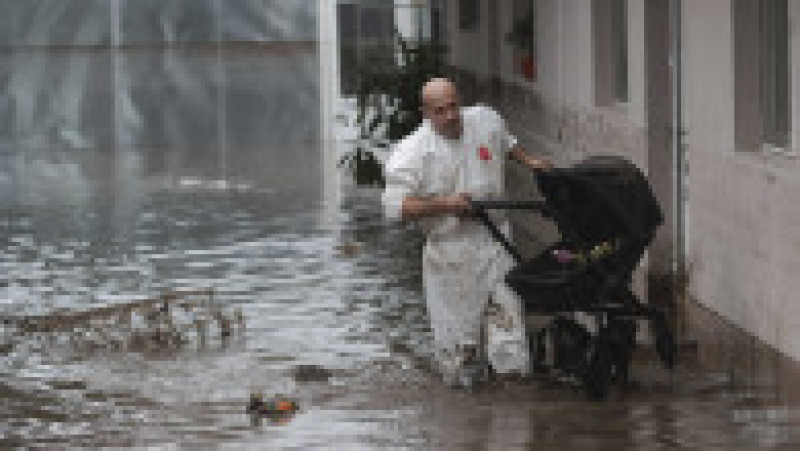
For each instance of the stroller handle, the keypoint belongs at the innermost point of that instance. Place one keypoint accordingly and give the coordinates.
(479, 208)
(508, 204)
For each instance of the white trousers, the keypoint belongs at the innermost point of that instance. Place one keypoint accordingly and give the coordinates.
(476, 318)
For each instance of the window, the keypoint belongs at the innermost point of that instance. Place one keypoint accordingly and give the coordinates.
(774, 76)
(522, 38)
(761, 73)
(610, 32)
(469, 14)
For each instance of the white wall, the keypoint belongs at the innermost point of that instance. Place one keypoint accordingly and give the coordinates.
(469, 50)
(636, 107)
(708, 74)
(576, 81)
(744, 224)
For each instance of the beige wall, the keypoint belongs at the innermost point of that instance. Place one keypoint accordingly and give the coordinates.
(744, 234)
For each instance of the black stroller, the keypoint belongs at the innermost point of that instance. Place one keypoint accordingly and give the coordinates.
(606, 215)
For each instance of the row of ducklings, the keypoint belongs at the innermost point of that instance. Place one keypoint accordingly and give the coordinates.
(165, 323)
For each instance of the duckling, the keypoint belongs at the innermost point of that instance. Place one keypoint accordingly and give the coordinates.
(224, 324)
(256, 402)
(200, 328)
(239, 318)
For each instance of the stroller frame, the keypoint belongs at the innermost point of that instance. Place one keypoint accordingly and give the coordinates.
(595, 359)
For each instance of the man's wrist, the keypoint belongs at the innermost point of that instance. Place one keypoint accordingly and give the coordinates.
(435, 206)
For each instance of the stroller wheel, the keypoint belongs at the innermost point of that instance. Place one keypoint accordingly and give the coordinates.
(665, 342)
(621, 335)
(598, 374)
(538, 350)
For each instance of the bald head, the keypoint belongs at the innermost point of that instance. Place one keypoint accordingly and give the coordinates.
(438, 88)
(440, 105)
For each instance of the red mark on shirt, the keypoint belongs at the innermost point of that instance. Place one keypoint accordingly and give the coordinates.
(484, 154)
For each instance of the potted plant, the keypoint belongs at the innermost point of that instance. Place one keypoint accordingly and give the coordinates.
(388, 102)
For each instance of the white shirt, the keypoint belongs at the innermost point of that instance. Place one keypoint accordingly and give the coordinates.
(428, 164)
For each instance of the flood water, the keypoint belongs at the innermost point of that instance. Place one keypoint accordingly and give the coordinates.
(333, 319)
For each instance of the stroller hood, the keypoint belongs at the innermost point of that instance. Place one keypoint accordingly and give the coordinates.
(599, 199)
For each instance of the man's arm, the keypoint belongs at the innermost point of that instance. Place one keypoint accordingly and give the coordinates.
(535, 164)
(419, 207)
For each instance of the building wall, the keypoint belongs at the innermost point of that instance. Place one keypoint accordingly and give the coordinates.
(742, 227)
(743, 221)
(469, 49)
(556, 115)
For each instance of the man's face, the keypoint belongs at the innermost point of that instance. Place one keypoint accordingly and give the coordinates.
(442, 109)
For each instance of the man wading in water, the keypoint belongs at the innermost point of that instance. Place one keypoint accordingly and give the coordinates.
(456, 154)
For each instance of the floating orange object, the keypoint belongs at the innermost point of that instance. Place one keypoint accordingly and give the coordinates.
(271, 407)
(285, 406)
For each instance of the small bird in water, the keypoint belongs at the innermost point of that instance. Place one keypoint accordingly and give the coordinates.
(276, 406)
(239, 318)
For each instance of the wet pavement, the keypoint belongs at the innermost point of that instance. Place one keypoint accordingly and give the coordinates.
(333, 319)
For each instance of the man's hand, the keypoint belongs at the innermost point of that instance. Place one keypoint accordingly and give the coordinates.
(535, 164)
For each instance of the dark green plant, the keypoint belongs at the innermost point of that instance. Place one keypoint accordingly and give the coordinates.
(388, 101)
(364, 167)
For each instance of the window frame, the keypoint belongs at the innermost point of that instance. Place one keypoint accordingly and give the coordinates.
(518, 10)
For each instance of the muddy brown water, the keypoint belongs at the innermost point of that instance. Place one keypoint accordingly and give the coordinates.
(339, 327)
